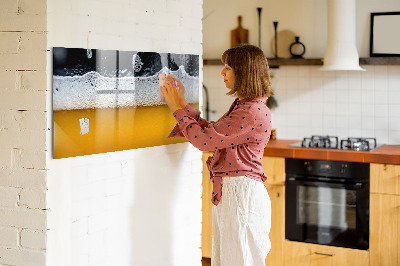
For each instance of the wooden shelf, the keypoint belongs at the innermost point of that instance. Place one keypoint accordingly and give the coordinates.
(380, 61)
(273, 63)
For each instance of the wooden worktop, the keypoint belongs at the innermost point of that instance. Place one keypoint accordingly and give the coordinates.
(389, 154)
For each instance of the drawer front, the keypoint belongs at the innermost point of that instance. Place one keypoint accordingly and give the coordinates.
(298, 253)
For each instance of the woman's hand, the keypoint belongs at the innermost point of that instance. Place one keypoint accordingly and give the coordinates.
(174, 91)
(181, 92)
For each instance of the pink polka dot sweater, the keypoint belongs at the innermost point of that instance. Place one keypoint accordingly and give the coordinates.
(238, 139)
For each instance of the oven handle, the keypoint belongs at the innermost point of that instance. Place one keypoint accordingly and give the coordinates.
(357, 185)
(325, 254)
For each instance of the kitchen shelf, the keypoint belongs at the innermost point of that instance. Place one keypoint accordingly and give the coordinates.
(380, 61)
(273, 63)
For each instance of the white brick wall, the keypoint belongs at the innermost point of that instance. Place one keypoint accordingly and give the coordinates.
(23, 132)
(136, 207)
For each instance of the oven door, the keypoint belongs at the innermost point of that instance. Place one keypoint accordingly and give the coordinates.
(327, 213)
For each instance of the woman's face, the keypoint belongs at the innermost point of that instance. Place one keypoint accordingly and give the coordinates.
(229, 76)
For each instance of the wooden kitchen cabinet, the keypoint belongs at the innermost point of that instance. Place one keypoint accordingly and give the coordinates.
(384, 236)
(274, 168)
(206, 225)
(305, 254)
(277, 233)
(385, 178)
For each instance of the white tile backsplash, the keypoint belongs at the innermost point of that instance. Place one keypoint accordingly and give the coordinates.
(346, 103)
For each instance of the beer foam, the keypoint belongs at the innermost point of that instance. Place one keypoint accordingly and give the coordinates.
(93, 90)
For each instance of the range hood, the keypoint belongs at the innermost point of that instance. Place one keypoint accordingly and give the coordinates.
(341, 51)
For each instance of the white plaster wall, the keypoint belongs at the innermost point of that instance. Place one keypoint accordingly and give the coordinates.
(136, 207)
(305, 18)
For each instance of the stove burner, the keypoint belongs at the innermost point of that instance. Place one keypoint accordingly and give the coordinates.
(328, 142)
(358, 144)
(332, 142)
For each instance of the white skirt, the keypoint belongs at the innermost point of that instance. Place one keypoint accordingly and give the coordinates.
(241, 223)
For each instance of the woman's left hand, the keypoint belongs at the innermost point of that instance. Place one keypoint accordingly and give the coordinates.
(170, 90)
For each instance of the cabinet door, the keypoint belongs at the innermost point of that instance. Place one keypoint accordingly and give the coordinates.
(206, 232)
(385, 178)
(384, 229)
(305, 254)
(274, 168)
(277, 233)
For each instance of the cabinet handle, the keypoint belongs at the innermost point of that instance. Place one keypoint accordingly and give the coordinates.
(325, 254)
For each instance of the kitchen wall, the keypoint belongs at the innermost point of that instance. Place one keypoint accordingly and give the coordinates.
(311, 102)
(136, 207)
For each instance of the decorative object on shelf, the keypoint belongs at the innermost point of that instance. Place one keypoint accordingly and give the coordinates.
(297, 49)
(239, 35)
(383, 41)
(276, 38)
(259, 9)
(285, 39)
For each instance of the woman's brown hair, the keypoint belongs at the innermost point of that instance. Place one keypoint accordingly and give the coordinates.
(250, 66)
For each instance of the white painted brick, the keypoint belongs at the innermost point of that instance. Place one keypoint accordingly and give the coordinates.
(31, 80)
(33, 159)
(148, 6)
(23, 100)
(133, 43)
(23, 139)
(17, 256)
(8, 6)
(5, 158)
(179, 7)
(23, 178)
(33, 7)
(98, 222)
(197, 10)
(8, 197)
(33, 199)
(31, 55)
(191, 23)
(32, 61)
(35, 120)
(7, 80)
(23, 218)
(9, 42)
(33, 239)
(23, 22)
(8, 237)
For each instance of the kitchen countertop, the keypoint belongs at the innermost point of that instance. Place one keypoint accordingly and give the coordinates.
(389, 154)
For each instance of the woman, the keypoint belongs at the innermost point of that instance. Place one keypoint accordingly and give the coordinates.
(242, 208)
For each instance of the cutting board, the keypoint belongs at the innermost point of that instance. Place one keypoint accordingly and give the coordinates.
(239, 35)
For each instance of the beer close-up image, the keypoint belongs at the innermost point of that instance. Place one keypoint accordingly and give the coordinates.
(109, 100)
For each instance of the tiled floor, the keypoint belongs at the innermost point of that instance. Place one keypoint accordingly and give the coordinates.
(206, 261)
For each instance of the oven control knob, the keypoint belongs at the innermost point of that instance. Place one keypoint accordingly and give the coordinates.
(308, 166)
(343, 168)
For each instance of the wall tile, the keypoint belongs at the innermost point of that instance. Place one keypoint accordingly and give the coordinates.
(367, 98)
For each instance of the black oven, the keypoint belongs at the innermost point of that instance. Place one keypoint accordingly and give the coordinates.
(327, 202)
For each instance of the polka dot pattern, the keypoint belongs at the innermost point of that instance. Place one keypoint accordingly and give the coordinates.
(238, 139)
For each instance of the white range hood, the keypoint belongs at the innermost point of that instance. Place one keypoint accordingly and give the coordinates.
(341, 51)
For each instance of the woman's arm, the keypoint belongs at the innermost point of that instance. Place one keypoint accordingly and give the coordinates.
(237, 128)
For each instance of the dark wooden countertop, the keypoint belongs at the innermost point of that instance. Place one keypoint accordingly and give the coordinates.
(389, 154)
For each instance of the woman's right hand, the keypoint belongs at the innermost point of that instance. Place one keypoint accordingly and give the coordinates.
(181, 91)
